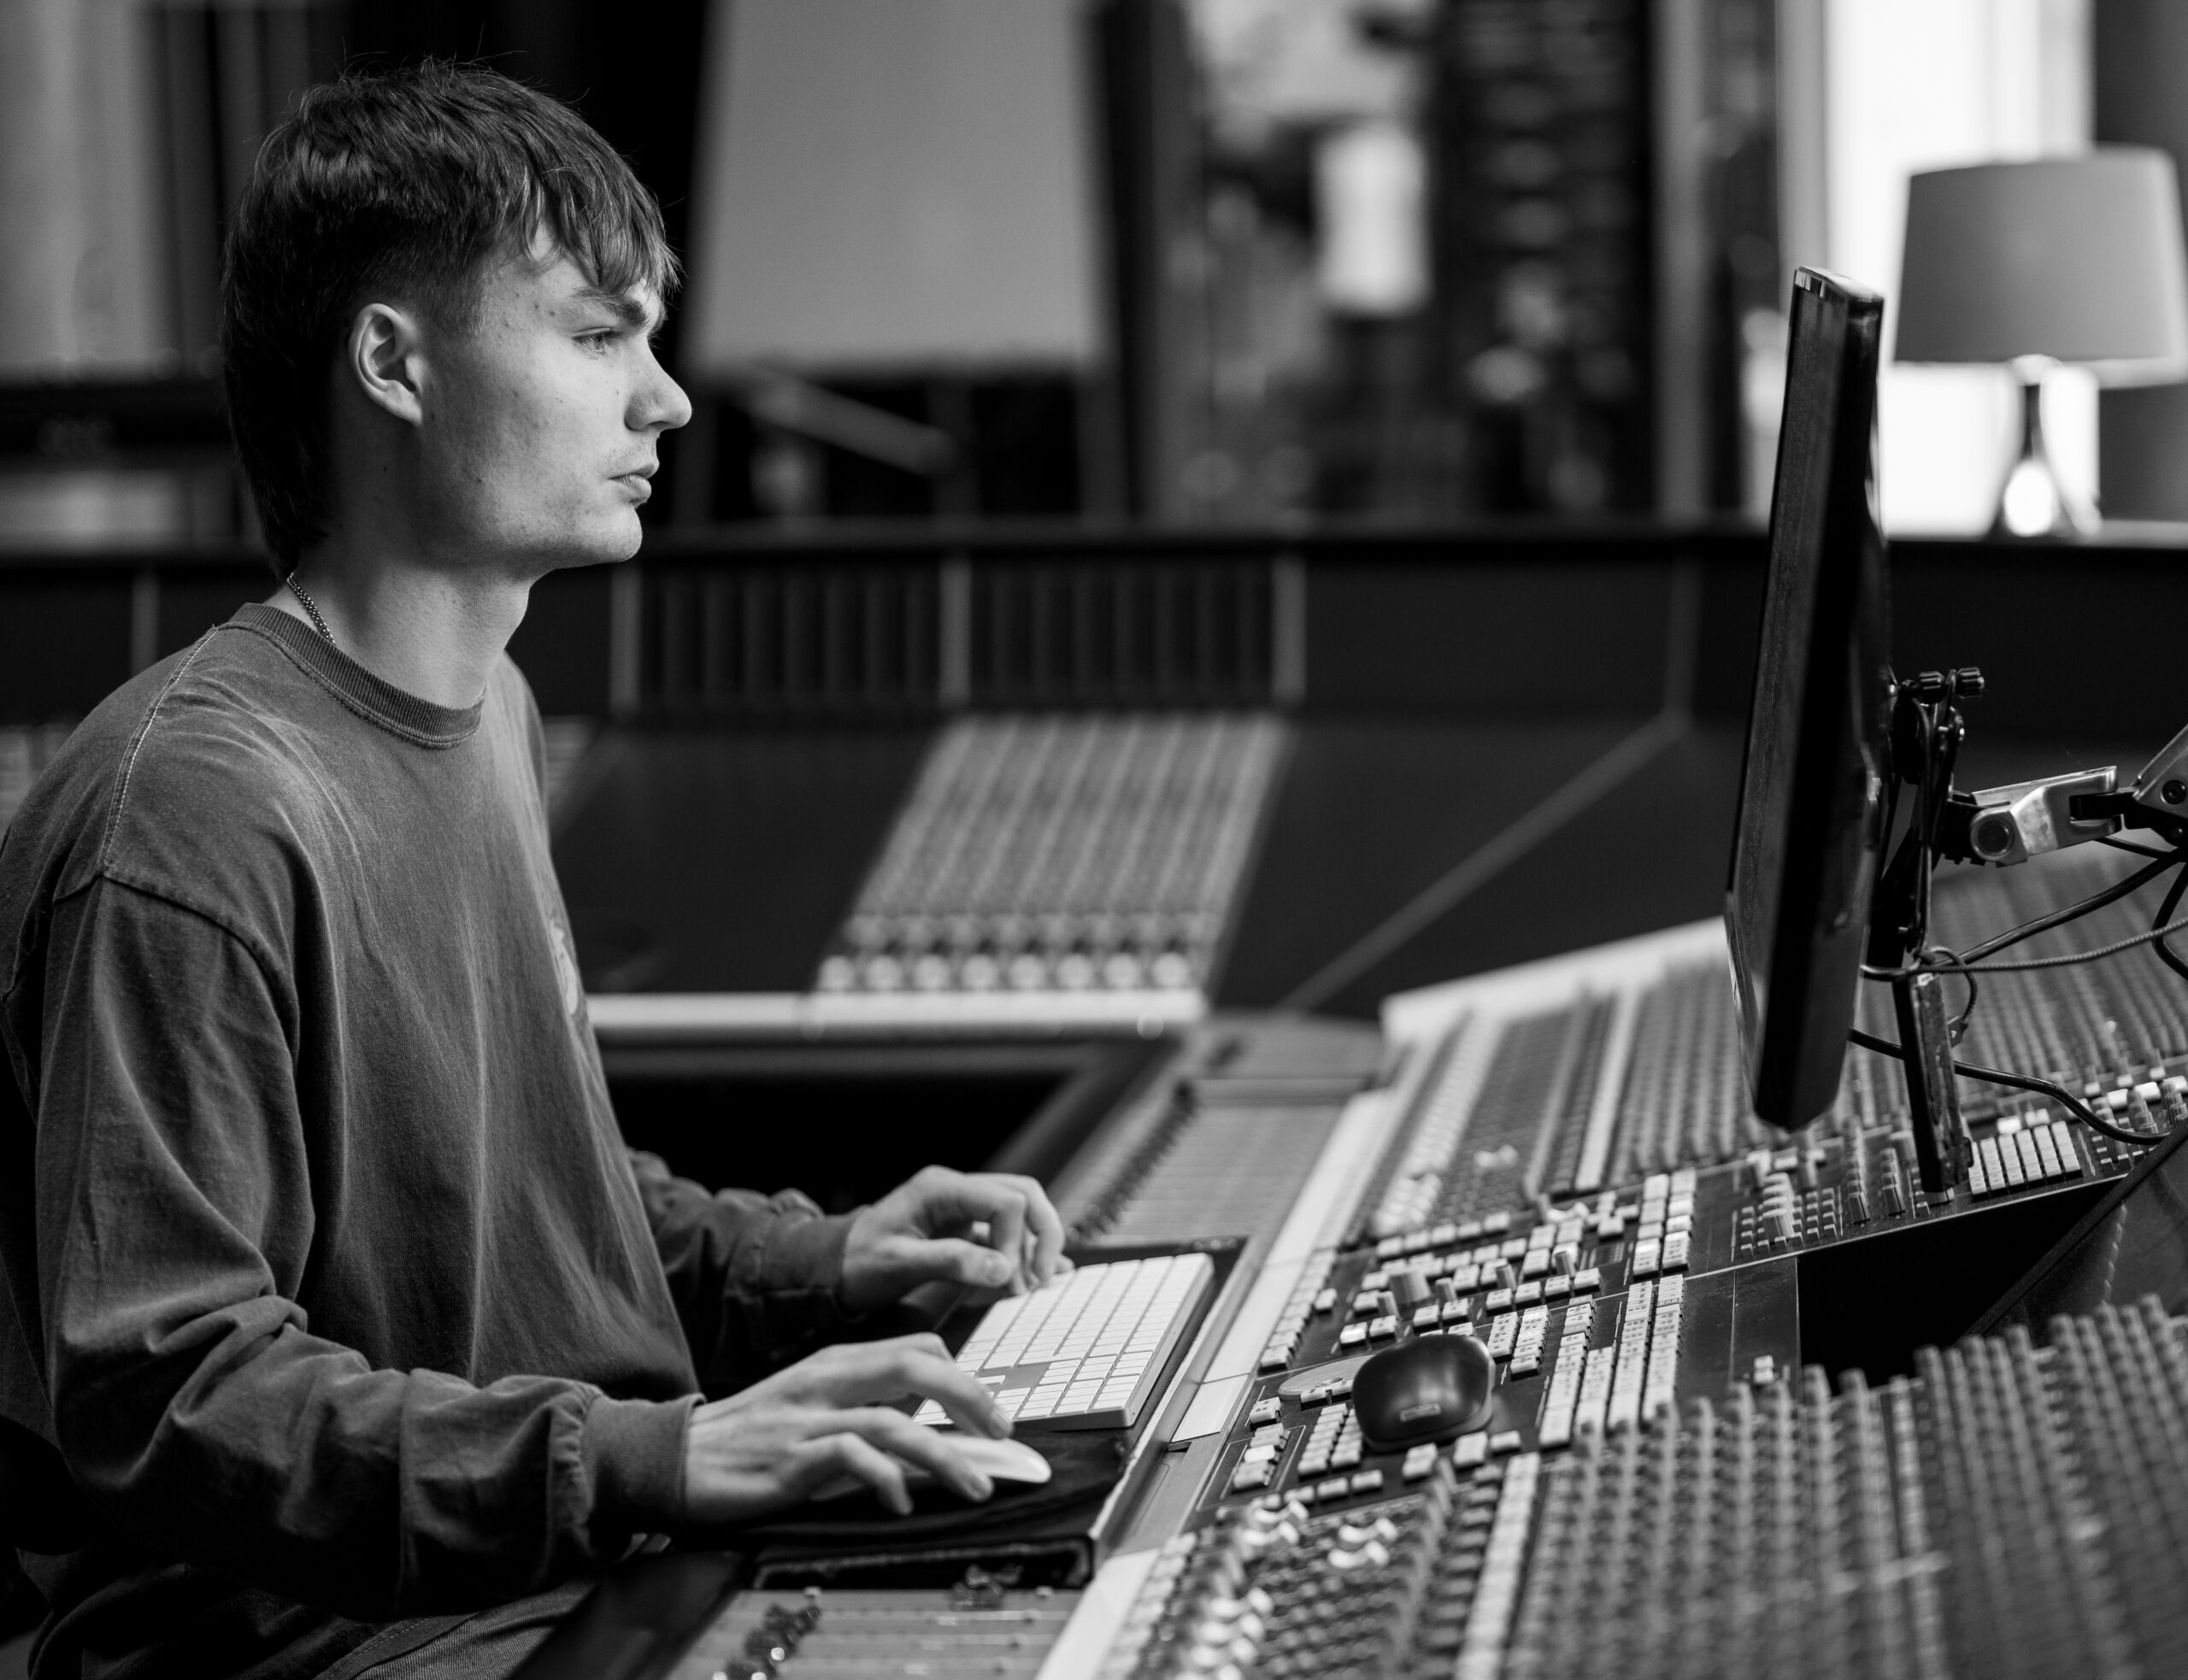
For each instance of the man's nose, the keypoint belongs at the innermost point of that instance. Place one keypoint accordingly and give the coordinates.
(660, 403)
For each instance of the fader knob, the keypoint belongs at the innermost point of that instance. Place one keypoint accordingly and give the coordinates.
(1410, 1290)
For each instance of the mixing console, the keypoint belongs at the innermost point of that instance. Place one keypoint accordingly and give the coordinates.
(2079, 1023)
(838, 1634)
(1632, 1068)
(1993, 1514)
(1222, 1141)
(1571, 1356)
(1798, 1197)
(1217, 1168)
(1272, 1588)
(1558, 1161)
(1064, 853)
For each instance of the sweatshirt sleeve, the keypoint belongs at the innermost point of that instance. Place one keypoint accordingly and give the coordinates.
(191, 1401)
(754, 1278)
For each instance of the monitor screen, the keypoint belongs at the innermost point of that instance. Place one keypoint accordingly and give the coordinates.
(1805, 843)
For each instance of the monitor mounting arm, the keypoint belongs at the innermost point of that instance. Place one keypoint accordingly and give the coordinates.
(1997, 826)
(2024, 820)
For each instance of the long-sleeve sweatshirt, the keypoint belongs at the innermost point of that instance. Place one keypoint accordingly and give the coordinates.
(328, 1276)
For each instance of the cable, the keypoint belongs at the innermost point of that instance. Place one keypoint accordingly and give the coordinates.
(2097, 900)
(1972, 963)
(1957, 967)
(2157, 935)
(2119, 845)
(1958, 1029)
(2027, 1082)
(2166, 954)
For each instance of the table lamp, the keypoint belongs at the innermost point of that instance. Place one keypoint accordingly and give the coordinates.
(2064, 260)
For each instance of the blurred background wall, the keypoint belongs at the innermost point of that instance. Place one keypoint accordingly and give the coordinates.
(1196, 261)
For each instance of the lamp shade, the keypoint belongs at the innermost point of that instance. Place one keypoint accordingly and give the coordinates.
(2079, 259)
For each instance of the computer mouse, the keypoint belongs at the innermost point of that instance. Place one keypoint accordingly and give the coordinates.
(998, 1460)
(1429, 1388)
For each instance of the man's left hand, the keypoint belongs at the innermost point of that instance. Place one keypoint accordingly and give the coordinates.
(943, 1232)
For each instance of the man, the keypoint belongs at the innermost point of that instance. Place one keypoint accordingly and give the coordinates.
(330, 1288)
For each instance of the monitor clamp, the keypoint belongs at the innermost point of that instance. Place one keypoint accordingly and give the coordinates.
(1997, 826)
(1926, 732)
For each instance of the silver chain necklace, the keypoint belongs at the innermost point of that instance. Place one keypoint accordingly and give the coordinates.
(310, 607)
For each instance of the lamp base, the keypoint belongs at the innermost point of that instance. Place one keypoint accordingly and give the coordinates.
(2033, 501)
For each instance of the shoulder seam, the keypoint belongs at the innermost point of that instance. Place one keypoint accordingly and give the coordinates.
(270, 969)
(135, 745)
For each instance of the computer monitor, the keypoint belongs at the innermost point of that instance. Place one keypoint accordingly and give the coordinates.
(1806, 842)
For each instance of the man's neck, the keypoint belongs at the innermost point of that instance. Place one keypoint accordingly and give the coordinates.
(427, 633)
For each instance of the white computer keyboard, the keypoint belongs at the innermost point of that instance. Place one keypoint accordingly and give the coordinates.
(1086, 1352)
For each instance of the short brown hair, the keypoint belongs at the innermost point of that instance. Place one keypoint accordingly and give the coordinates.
(402, 183)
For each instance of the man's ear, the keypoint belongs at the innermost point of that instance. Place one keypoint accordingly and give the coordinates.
(385, 355)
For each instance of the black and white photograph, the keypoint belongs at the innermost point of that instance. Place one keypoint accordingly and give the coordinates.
(1093, 840)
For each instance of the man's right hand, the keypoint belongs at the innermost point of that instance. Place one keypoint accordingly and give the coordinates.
(773, 1444)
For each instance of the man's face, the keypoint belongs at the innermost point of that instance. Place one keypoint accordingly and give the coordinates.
(542, 418)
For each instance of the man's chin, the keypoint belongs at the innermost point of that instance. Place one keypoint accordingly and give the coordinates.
(605, 545)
